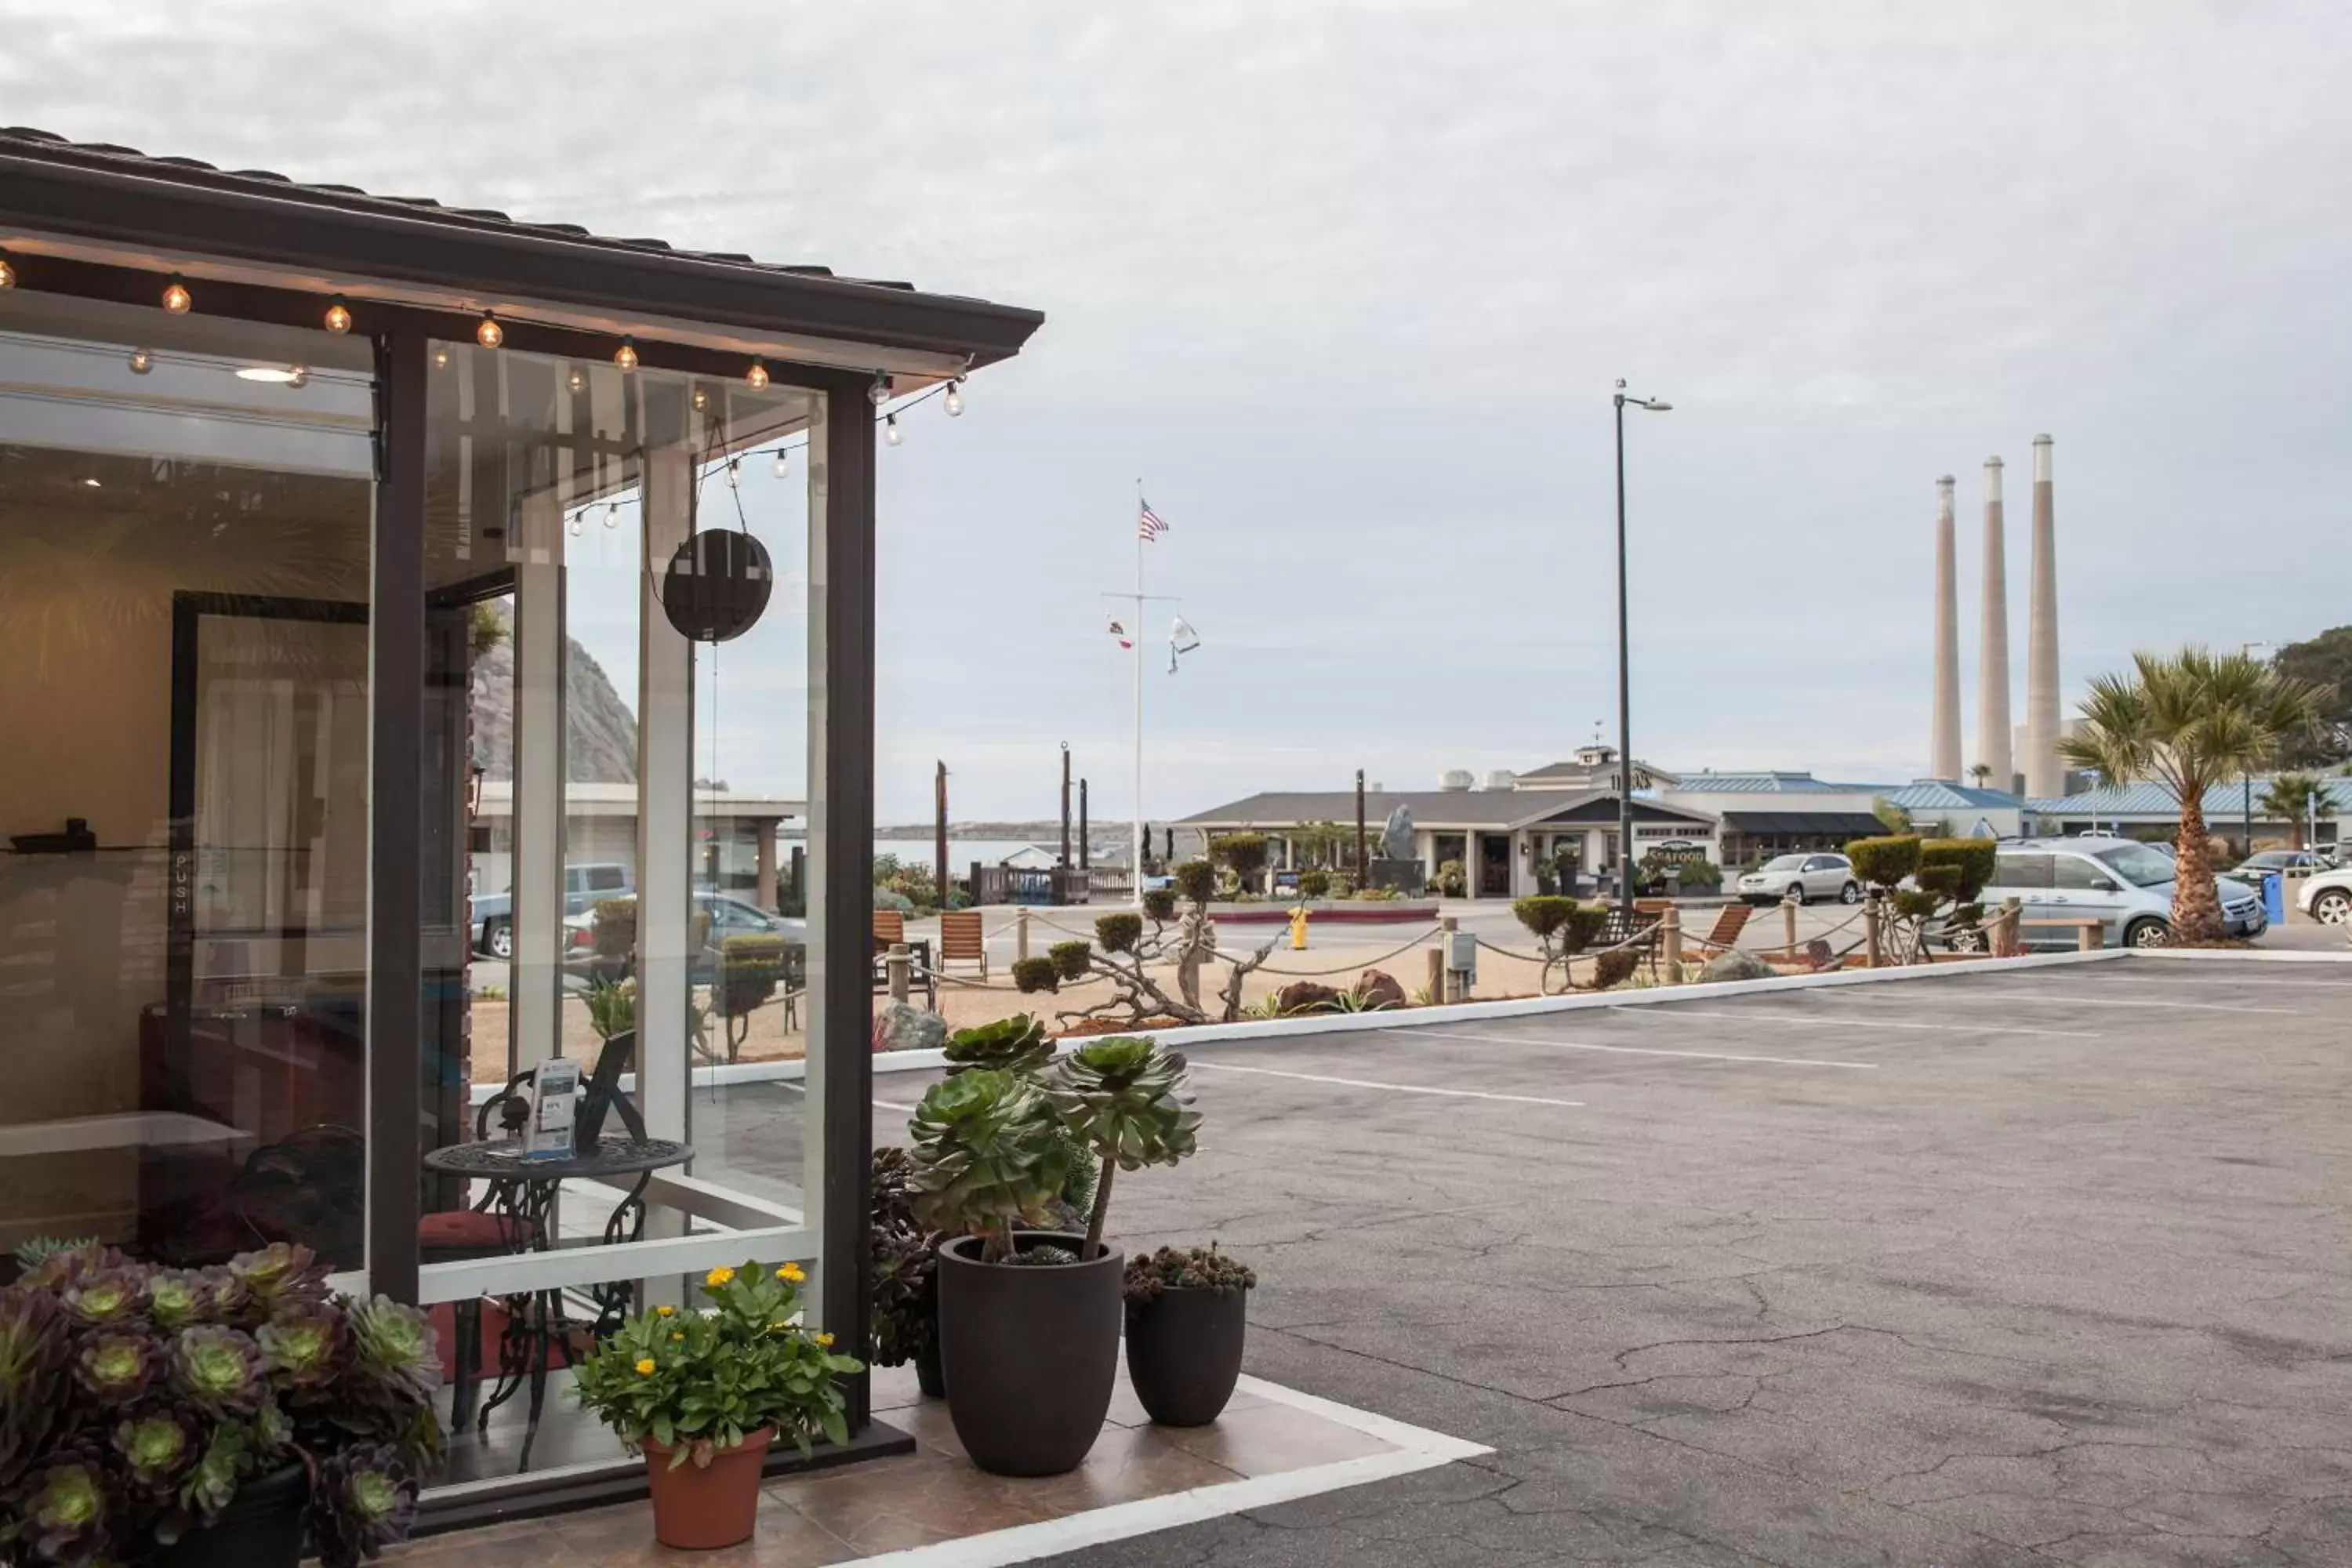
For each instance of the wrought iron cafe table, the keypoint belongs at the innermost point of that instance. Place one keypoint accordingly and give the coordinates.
(522, 1194)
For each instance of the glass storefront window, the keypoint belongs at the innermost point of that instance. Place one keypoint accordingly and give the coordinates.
(613, 895)
(185, 510)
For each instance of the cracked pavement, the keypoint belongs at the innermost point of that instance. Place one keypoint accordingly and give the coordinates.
(2072, 1298)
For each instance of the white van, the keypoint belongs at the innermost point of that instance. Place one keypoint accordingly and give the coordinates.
(2126, 884)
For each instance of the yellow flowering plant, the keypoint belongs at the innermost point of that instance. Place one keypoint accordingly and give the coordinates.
(696, 1382)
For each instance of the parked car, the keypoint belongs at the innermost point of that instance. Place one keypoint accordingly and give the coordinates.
(2328, 897)
(2281, 862)
(585, 886)
(2125, 884)
(728, 917)
(1803, 877)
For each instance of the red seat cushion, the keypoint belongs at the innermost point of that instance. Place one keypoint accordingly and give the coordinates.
(470, 1230)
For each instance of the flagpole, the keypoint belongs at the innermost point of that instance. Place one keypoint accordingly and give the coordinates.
(1136, 845)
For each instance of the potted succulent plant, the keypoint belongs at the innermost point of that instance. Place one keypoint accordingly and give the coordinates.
(1186, 1319)
(702, 1393)
(1029, 1320)
(202, 1417)
(905, 1325)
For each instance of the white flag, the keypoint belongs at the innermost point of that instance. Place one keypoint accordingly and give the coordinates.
(1182, 639)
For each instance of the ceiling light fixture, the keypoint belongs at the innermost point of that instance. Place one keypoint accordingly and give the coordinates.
(758, 374)
(142, 362)
(489, 334)
(92, 483)
(625, 356)
(176, 297)
(879, 392)
(339, 318)
(276, 375)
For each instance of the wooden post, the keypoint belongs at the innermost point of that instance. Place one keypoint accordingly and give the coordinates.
(1670, 939)
(940, 830)
(1437, 972)
(1021, 933)
(1789, 926)
(2090, 937)
(1869, 930)
(2005, 933)
(899, 962)
(1447, 984)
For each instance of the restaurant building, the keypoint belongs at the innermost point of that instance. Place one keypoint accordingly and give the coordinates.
(266, 449)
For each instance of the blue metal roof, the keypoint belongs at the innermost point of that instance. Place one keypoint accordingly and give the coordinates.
(1935, 795)
(1759, 782)
(2155, 802)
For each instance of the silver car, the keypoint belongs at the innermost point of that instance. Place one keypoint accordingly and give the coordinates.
(1804, 878)
(2125, 885)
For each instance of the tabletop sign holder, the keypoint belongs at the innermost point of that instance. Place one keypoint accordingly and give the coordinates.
(553, 1098)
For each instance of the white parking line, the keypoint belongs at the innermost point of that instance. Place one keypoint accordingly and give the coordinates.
(2207, 982)
(1391, 1088)
(1633, 1050)
(2072, 999)
(1665, 1016)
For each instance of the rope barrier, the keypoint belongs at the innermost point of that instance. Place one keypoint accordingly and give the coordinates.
(1319, 974)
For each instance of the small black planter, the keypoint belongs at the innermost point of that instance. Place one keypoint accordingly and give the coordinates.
(1031, 1354)
(930, 1378)
(1184, 1353)
(260, 1528)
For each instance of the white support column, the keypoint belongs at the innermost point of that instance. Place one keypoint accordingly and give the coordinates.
(535, 975)
(665, 807)
(825, 946)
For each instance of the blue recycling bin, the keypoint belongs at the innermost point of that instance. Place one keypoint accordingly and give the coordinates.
(2274, 898)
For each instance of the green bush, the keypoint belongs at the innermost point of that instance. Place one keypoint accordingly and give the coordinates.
(1313, 884)
(1243, 853)
(615, 922)
(1544, 914)
(1160, 904)
(750, 966)
(1700, 875)
(1883, 862)
(1452, 882)
(1118, 932)
(1959, 869)
(1031, 976)
(1071, 959)
(1196, 880)
(1613, 968)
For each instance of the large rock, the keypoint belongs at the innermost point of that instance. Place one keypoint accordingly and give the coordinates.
(1306, 996)
(900, 1027)
(1735, 965)
(1396, 835)
(1380, 989)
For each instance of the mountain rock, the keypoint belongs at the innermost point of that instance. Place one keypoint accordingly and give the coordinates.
(601, 732)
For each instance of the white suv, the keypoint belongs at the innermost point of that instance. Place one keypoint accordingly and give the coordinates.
(1803, 877)
(2328, 897)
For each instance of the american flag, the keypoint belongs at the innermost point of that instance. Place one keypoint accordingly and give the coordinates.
(1147, 525)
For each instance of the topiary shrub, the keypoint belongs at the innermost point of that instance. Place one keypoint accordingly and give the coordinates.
(1613, 968)
(1957, 867)
(1118, 932)
(1160, 904)
(1452, 882)
(1071, 959)
(1313, 884)
(1196, 880)
(614, 923)
(1031, 976)
(1883, 862)
(1700, 875)
(1543, 914)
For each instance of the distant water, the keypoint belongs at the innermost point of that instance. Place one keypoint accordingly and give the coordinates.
(963, 852)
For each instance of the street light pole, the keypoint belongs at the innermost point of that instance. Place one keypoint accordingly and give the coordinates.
(1625, 671)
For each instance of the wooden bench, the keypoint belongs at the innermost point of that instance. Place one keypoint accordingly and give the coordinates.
(1728, 923)
(961, 941)
(1638, 936)
(889, 926)
(2090, 931)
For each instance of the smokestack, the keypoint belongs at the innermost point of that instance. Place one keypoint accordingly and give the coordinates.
(1944, 738)
(2045, 777)
(1992, 667)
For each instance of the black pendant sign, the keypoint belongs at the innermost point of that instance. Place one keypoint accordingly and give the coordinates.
(717, 586)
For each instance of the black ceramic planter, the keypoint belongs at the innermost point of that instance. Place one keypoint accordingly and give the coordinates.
(260, 1528)
(931, 1382)
(1030, 1352)
(1184, 1353)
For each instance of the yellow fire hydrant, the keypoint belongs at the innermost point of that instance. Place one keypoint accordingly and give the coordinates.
(1298, 929)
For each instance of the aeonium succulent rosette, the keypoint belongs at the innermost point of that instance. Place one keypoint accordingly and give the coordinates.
(135, 1403)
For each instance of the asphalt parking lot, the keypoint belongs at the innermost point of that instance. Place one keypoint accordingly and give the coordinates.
(2049, 1266)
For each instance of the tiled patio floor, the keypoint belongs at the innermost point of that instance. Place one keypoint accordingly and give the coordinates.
(1269, 1443)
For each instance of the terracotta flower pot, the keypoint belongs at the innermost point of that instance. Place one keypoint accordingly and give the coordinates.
(698, 1508)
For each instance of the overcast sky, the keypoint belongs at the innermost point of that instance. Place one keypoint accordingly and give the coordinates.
(1347, 287)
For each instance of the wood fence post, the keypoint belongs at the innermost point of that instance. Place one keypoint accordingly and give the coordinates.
(1670, 936)
(900, 962)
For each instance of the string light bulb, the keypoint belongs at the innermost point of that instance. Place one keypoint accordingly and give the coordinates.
(573, 527)
(339, 318)
(701, 400)
(758, 374)
(890, 431)
(625, 356)
(953, 401)
(783, 462)
(440, 359)
(8, 273)
(578, 380)
(734, 473)
(612, 514)
(142, 362)
(879, 392)
(176, 297)
(489, 334)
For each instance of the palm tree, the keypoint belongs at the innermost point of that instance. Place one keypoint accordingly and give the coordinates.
(1981, 772)
(2290, 798)
(2188, 722)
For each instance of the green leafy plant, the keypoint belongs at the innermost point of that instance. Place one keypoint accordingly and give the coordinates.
(1130, 1100)
(1884, 862)
(1072, 959)
(1149, 1275)
(1452, 882)
(1014, 1045)
(613, 922)
(697, 1382)
(1313, 884)
(1562, 927)
(1160, 905)
(1196, 880)
(1613, 968)
(136, 1400)
(1243, 853)
(1031, 976)
(987, 1156)
(899, 1259)
(1118, 932)
(612, 1006)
